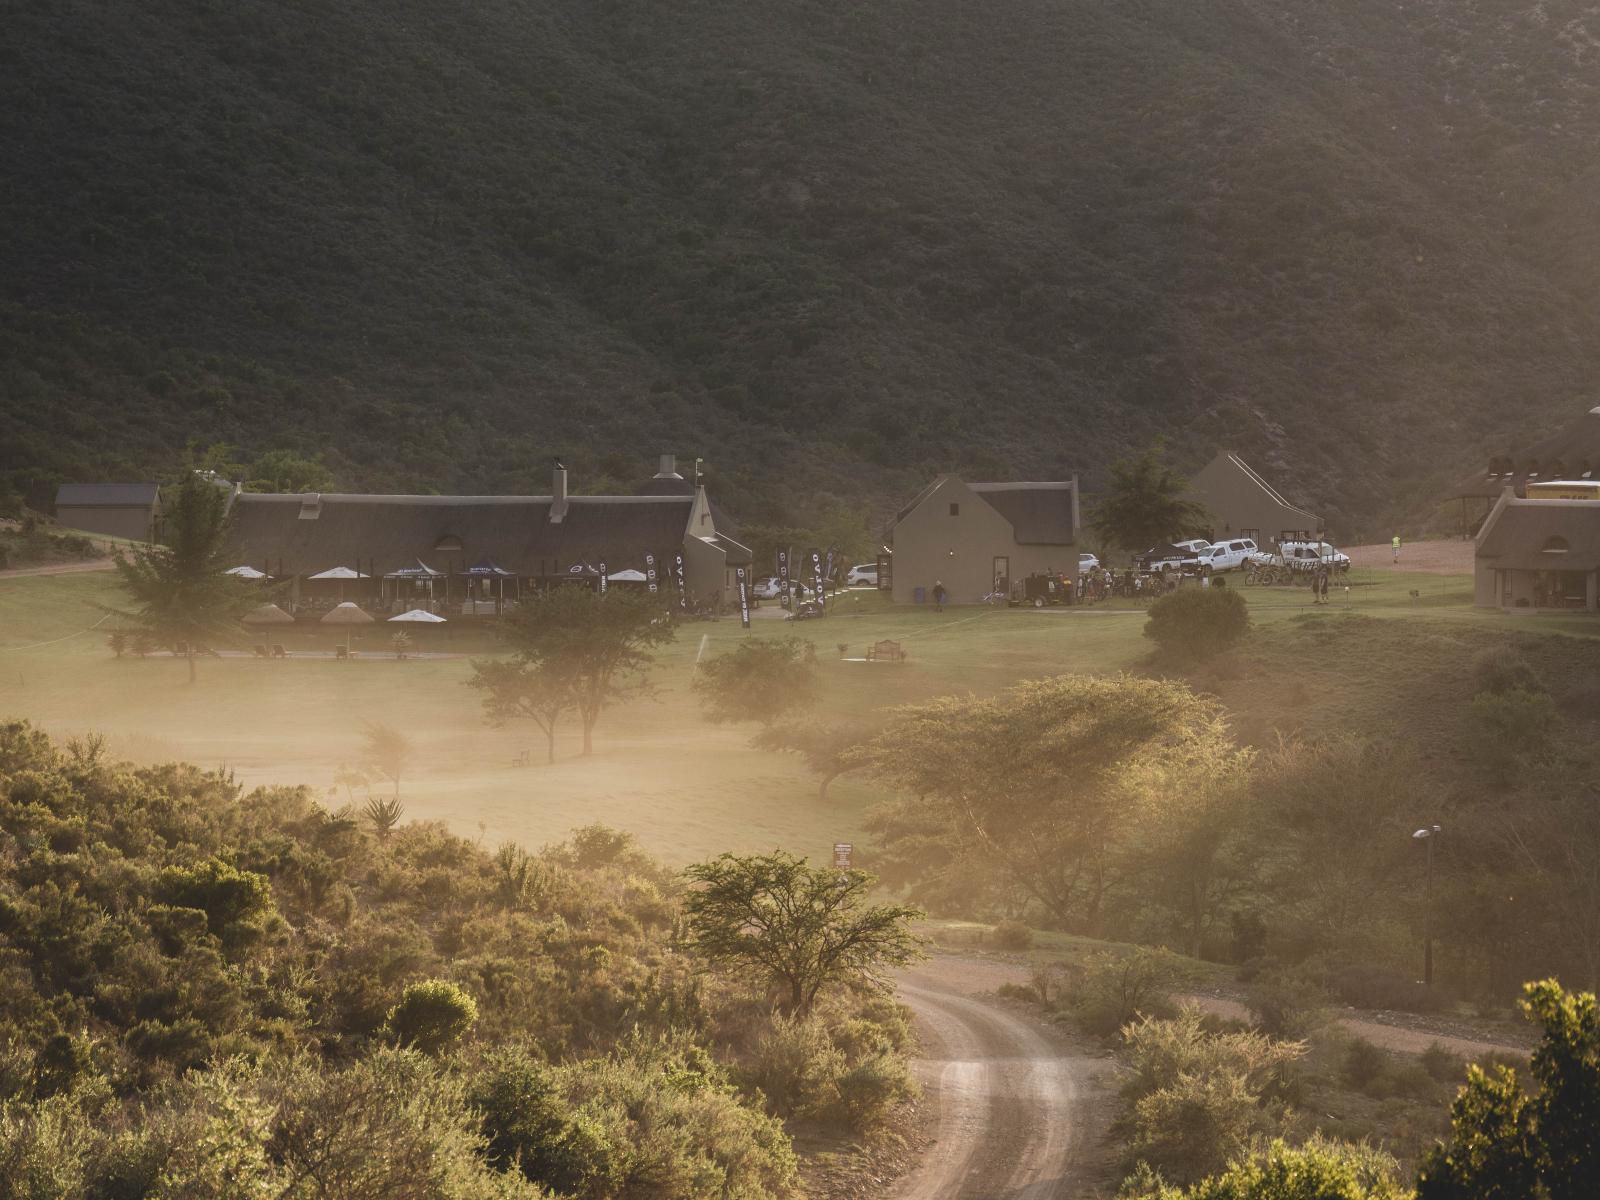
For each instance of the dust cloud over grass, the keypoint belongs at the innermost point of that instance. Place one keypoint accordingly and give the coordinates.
(686, 788)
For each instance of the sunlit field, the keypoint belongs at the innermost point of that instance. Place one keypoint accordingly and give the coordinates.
(685, 788)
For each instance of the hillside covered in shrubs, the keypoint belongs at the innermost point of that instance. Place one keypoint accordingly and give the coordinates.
(817, 240)
(204, 992)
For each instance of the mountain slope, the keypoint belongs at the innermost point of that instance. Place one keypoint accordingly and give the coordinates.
(833, 247)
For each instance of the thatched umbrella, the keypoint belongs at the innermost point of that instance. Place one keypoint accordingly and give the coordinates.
(267, 614)
(347, 614)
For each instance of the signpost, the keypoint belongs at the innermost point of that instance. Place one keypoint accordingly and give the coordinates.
(743, 574)
(841, 856)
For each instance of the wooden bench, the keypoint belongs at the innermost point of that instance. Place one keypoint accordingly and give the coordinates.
(523, 759)
(886, 651)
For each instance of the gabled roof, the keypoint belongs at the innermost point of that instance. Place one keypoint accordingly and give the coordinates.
(1040, 513)
(107, 495)
(1516, 533)
(385, 533)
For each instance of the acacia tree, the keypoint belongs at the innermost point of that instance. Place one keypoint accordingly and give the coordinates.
(825, 748)
(599, 647)
(522, 689)
(387, 751)
(1146, 503)
(795, 927)
(760, 679)
(1027, 788)
(180, 590)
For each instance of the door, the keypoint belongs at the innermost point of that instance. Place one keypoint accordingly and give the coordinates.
(1002, 574)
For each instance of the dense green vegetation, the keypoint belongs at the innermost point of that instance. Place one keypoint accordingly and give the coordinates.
(831, 246)
(203, 986)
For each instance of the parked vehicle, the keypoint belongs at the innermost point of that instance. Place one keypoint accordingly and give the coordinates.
(1224, 556)
(1088, 562)
(1041, 589)
(866, 573)
(1158, 560)
(805, 610)
(771, 588)
(1295, 561)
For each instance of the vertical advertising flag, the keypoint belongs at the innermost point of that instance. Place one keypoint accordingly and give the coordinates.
(827, 567)
(783, 576)
(677, 573)
(743, 574)
(602, 577)
(814, 566)
(650, 572)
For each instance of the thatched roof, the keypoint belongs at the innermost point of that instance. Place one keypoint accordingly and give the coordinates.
(385, 533)
(1528, 535)
(267, 614)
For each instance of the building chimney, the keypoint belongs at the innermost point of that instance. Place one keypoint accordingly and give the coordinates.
(669, 467)
(558, 494)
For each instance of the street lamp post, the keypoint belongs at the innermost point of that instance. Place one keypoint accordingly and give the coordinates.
(1427, 834)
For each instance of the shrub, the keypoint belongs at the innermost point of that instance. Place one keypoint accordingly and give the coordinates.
(1512, 727)
(869, 1091)
(1442, 1064)
(1193, 625)
(1321, 1169)
(1158, 1052)
(1193, 1126)
(530, 1127)
(1114, 989)
(1500, 669)
(796, 1067)
(1288, 1003)
(237, 904)
(1012, 935)
(1364, 985)
(1362, 1064)
(432, 1015)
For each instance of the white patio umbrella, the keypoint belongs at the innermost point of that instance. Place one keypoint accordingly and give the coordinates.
(341, 574)
(628, 576)
(246, 572)
(267, 614)
(417, 616)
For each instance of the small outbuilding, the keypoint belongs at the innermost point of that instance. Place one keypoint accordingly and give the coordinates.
(977, 538)
(123, 510)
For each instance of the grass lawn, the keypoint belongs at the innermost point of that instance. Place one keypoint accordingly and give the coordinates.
(687, 789)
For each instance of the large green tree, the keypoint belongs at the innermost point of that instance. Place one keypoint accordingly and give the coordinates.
(1508, 1144)
(1146, 503)
(795, 927)
(179, 590)
(528, 689)
(1030, 789)
(602, 647)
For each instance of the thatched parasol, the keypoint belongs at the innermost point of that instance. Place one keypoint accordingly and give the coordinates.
(267, 614)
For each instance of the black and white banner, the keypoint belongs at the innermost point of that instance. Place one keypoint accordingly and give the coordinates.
(743, 575)
(650, 572)
(783, 576)
(814, 561)
(677, 575)
(602, 577)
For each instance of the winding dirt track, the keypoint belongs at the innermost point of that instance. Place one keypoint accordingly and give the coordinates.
(1017, 1113)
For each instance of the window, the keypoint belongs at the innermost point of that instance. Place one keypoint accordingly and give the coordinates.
(1555, 545)
(955, 510)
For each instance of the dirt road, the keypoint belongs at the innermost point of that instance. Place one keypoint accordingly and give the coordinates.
(1017, 1112)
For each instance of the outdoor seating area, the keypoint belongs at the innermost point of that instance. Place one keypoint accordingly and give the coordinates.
(886, 651)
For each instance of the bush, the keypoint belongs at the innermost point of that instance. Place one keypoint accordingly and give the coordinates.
(1320, 1169)
(1362, 1064)
(1012, 935)
(796, 1067)
(1363, 985)
(1193, 624)
(432, 1015)
(1114, 989)
(1442, 1064)
(1194, 1126)
(1288, 1003)
(1158, 1052)
(1512, 727)
(869, 1091)
(1500, 669)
